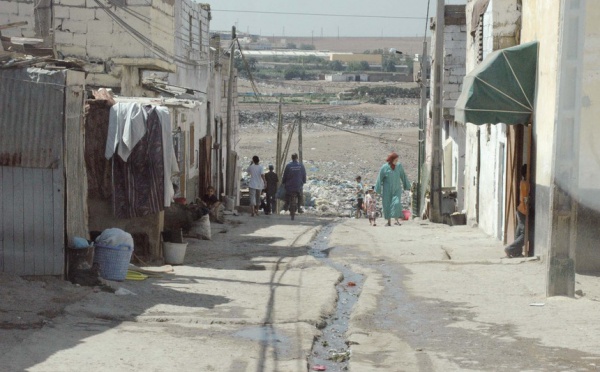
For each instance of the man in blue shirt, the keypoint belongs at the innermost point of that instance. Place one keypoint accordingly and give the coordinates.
(294, 177)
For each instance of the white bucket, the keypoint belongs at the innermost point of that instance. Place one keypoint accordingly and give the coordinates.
(229, 203)
(174, 252)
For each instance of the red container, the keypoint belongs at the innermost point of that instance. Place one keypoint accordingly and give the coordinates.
(406, 214)
(181, 201)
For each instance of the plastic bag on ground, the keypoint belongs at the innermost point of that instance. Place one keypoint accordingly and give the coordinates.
(201, 228)
(114, 237)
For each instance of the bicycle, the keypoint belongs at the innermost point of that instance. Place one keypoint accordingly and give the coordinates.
(356, 211)
(293, 207)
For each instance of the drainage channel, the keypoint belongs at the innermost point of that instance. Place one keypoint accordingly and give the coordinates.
(330, 352)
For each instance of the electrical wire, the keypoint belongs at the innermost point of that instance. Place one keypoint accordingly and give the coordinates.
(145, 41)
(316, 14)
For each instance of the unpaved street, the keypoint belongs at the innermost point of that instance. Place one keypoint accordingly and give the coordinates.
(270, 295)
(440, 298)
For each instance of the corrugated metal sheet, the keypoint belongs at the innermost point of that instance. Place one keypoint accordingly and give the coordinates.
(31, 117)
(32, 181)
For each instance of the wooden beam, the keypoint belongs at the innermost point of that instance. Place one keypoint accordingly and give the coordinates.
(13, 25)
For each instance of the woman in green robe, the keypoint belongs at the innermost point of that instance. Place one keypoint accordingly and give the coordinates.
(392, 180)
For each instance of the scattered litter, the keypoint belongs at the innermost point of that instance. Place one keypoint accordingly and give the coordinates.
(124, 292)
(537, 304)
(351, 284)
(80, 242)
(135, 275)
(152, 270)
(318, 367)
(340, 356)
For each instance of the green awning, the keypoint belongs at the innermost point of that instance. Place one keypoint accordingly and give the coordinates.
(501, 89)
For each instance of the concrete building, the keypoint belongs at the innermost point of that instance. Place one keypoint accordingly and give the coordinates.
(147, 50)
(559, 144)
(372, 59)
(122, 41)
(453, 134)
(495, 27)
(566, 164)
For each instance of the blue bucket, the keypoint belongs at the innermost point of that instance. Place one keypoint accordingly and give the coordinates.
(113, 261)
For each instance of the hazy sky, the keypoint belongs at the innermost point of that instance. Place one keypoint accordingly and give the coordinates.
(409, 17)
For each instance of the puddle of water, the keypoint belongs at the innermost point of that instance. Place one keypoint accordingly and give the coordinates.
(263, 334)
(330, 350)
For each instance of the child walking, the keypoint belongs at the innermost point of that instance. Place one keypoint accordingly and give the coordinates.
(371, 206)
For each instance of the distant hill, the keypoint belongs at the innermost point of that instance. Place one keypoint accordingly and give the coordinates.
(407, 45)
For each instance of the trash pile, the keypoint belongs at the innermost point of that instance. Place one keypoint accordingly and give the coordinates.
(331, 196)
(267, 121)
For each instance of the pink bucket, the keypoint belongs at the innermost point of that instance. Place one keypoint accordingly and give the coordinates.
(406, 214)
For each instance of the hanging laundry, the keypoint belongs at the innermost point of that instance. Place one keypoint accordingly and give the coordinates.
(169, 158)
(126, 126)
(138, 183)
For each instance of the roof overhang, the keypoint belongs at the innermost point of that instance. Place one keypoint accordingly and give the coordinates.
(146, 64)
(501, 89)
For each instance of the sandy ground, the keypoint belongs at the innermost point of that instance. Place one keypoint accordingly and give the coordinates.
(346, 150)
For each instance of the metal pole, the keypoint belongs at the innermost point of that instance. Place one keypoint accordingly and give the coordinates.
(278, 155)
(436, 165)
(422, 121)
(278, 164)
(229, 172)
(300, 137)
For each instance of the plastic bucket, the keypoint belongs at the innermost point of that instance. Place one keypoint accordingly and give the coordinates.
(113, 261)
(406, 214)
(174, 252)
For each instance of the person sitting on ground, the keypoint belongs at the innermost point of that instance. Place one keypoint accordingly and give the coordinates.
(210, 199)
(515, 249)
(212, 203)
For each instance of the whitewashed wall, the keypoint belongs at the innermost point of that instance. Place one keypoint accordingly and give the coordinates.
(500, 25)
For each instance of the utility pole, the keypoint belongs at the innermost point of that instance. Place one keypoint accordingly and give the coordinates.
(229, 172)
(436, 156)
(279, 139)
(422, 120)
(278, 166)
(300, 137)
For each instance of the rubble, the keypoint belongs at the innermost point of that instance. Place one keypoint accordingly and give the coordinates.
(265, 120)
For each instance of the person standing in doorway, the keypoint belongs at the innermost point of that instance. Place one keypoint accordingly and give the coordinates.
(256, 185)
(272, 179)
(391, 182)
(515, 249)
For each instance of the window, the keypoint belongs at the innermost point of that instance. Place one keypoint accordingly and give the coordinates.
(191, 36)
(199, 34)
(192, 144)
(479, 39)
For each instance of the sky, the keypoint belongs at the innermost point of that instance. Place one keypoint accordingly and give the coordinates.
(387, 18)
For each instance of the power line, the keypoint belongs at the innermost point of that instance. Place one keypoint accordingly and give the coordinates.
(315, 14)
(145, 41)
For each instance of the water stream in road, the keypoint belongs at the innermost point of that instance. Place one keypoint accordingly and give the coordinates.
(331, 350)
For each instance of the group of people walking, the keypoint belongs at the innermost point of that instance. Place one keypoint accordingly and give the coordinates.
(294, 178)
(391, 182)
